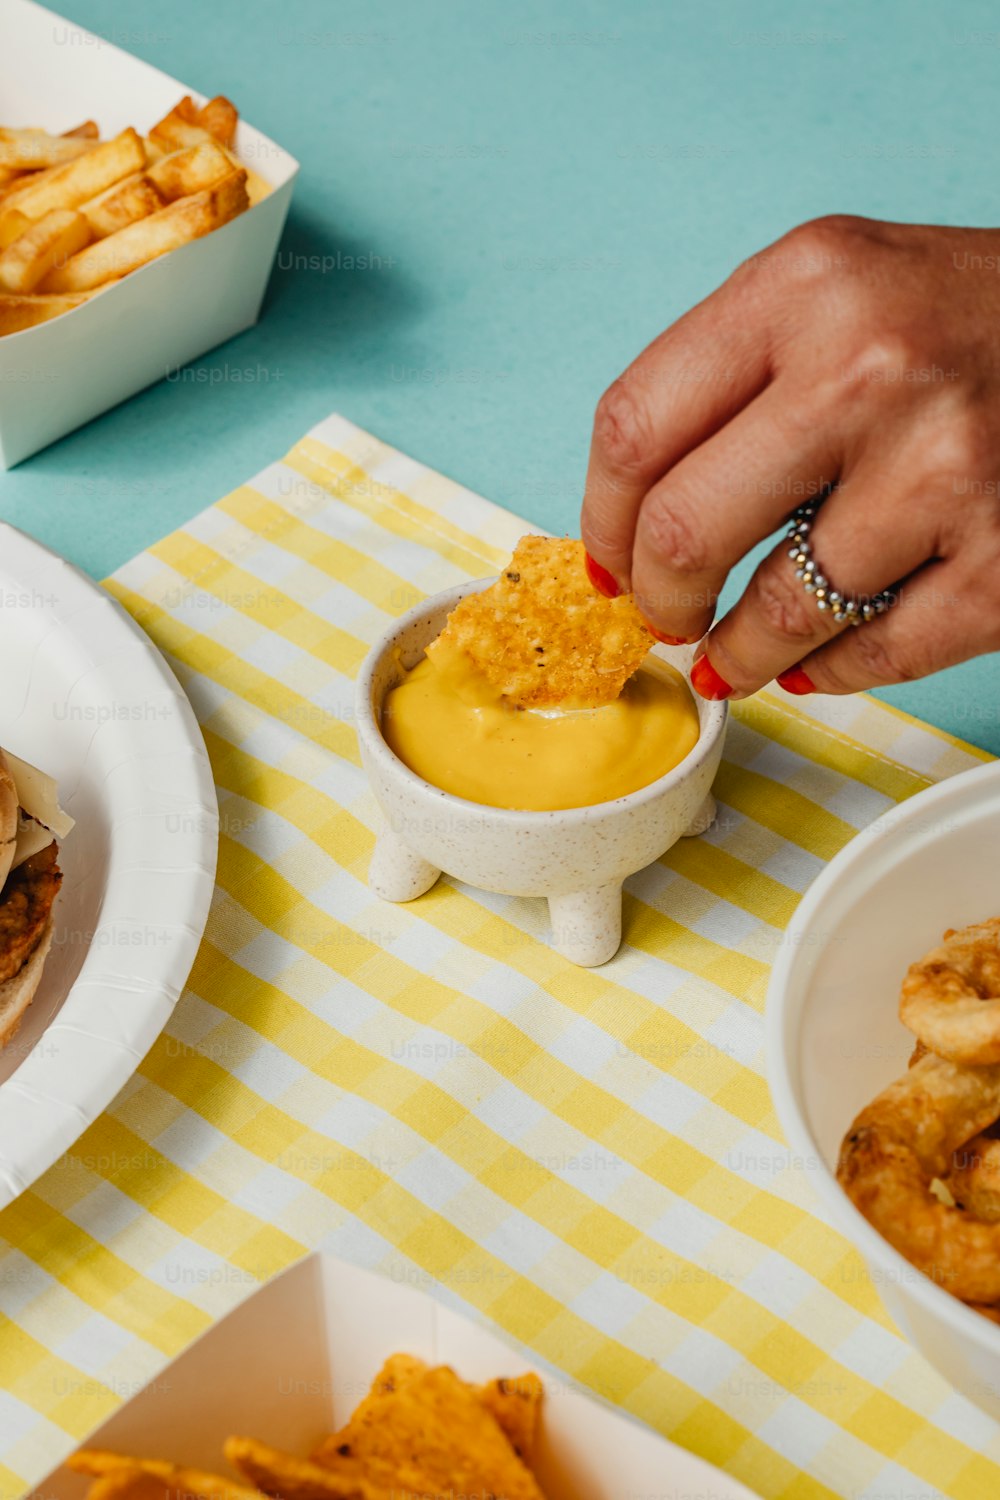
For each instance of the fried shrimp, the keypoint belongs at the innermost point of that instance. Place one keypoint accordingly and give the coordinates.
(985, 1310)
(974, 1180)
(896, 1148)
(950, 999)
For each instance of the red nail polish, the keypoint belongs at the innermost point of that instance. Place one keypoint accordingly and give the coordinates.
(706, 681)
(795, 680)
(667, 640)
(603, 581)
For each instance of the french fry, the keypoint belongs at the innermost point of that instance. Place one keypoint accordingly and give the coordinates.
(220, 117)
(78, 181)
(180, 127)
(27, 149)
(11, 178)
(49, 242)
(257, 187)
(189, 170)
(87, 132)
(18, 313)
(121, 204)
(186, 125)
(78, 213)
(12, 225)
(147, 239)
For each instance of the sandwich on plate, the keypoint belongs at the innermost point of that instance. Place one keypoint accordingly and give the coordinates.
(31, 823)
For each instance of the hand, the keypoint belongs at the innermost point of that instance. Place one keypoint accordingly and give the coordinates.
(854, 360)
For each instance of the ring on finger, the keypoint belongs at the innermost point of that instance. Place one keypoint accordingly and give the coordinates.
(847, 609)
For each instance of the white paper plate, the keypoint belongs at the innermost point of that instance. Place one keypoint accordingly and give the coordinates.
(292, 1362)
(86, 696)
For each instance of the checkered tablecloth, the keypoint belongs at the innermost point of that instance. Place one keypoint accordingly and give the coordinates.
(588, 1160)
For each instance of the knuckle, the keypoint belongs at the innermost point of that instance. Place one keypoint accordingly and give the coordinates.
(826, 670)
(818, 247)
(830, 226)
(780, 601)
(807, 253)
(597, 530)
(672, 537)
(884, 661)
(825, 232)
(621, 428)
(885, 358)
(958, 447)
(807, 410)
(602, 531)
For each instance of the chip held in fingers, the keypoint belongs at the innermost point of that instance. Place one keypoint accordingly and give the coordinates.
(540, 693)
(543, 635)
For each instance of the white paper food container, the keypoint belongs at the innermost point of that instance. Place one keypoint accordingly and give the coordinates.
(292, 1362)
(59, 374)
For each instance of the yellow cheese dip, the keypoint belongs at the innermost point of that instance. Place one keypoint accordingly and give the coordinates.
(450, 726)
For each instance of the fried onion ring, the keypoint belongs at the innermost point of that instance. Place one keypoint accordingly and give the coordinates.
(904, 1140)
(950, 1000)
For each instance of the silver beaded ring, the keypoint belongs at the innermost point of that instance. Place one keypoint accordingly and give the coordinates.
(846, 611)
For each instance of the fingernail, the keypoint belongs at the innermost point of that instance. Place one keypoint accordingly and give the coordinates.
(603, 581)
(795, 680)
(706, 681)
(667, 640)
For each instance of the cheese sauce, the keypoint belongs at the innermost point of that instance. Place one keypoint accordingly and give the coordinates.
(452, 728)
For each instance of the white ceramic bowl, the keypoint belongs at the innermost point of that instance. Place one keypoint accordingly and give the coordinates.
(575, 857)
(834, 1039)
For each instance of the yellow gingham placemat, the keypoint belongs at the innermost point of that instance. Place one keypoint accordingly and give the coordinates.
(588, 1159)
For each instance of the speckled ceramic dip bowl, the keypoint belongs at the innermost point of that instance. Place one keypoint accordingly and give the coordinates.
(575, 857)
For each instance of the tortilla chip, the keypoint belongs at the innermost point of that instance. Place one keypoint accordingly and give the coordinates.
(397, 1370)
(278, 1473)
(516, 1406)
(128, 1483)
(434, 1435)
(542, 635)
(121, 1478)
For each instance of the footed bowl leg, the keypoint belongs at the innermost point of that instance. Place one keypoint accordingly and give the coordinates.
(703, 818)
(587, 925)
(396, 873)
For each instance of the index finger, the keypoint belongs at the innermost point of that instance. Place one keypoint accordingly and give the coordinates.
(681, 389)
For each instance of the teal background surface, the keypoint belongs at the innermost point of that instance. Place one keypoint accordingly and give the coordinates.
(518, 196)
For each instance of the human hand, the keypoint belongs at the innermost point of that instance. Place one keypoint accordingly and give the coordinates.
(856, 360)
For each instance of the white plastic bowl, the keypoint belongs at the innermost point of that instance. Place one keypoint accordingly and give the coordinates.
(835, 1041)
